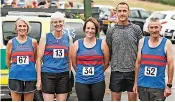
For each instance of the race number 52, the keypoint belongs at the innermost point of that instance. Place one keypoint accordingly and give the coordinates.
(58, 53)
(22, 60)
(150, 71)
(88, 70)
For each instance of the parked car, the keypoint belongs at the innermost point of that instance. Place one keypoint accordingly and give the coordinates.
(167, 19)
(138, 16)
(40, 26)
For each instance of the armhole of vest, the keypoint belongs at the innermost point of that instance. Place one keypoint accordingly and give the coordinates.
(47, 38)
(13, 41)
(164, 44)
(30, 41)
(100, 43)
(144, 42)
(79, 43)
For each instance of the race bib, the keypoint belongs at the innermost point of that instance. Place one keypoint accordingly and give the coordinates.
(22, 60)
(58, 53)
(88, 70)
(150, 71)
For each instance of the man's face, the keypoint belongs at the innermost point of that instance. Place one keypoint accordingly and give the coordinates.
(122, 13)
(154, 29)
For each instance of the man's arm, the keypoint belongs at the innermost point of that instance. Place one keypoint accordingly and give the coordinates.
(170, 63)
(137, 64)
(109, 39)
(138, 60)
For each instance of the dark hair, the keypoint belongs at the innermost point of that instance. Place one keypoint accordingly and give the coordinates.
(93, 20)
(122, 3)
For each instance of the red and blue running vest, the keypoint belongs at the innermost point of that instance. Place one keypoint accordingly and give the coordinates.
(23, 64)
(55, 59)
(153, 63)
(90, 63)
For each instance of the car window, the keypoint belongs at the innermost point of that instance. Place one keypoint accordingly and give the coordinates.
(8, 30)
(144, 14)
(134, 14)
(173, 17)
(159, 15)
(105, 11)
(74, 29)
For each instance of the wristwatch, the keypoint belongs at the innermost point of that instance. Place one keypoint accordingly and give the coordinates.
(169, 85)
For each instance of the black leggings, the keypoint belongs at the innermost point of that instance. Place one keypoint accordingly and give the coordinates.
(90, 92)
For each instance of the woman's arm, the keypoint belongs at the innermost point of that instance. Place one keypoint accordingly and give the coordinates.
(74, 54)
(8, 53)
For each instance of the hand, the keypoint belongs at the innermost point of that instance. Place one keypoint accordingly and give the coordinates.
(38, 85)
(167, 92)
(135, 88)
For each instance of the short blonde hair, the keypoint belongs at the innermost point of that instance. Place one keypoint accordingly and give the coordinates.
(26, 22)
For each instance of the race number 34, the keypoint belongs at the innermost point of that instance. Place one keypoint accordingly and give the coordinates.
(150, 71)
(22, 59)
(88, 70)
(58, 53)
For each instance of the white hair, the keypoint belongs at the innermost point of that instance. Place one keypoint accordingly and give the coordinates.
(57, 15)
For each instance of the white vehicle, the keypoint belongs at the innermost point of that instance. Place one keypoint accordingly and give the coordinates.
(167, 19)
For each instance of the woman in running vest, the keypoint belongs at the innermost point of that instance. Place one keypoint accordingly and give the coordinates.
(90, 58)
(20, 59)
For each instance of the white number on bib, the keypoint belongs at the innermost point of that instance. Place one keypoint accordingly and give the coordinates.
(58, 53)
(150, 71)
(22, 60)
(88, 70)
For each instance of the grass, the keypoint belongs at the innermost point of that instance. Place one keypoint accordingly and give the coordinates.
(135, 3)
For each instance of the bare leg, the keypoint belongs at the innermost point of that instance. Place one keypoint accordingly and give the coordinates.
(132, 96)
(28, 96)
(15, 96)
(48, 97)
(61, 97)
(116, 96)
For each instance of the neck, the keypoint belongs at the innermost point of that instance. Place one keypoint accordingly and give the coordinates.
(22, 37)
(124, 23)
(154, 39)
(89, 40)
(57, 34)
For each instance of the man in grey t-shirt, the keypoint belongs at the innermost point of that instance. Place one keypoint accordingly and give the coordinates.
(122, 40)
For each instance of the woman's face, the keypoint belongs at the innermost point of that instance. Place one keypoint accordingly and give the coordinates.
(57, 24)
(90, 30)
(21, 28)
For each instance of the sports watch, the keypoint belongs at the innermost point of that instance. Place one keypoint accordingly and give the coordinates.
(169, 85)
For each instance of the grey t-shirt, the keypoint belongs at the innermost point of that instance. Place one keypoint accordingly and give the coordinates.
(123, 44)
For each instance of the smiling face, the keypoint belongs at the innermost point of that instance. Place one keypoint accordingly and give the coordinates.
(122, 13)
(21, 28)
(90, 30)
(57, 24)
(154, 29)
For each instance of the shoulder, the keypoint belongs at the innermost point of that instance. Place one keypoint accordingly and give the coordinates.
(34, 41)
(168, 42)
(10, 42)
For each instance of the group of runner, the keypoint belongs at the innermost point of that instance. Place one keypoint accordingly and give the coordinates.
(137, 63)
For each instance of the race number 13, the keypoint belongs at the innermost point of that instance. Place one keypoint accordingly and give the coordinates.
(88, 70)
(22, 60)
(150, 71)
(58, 53)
